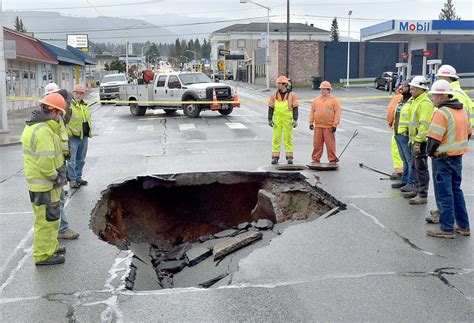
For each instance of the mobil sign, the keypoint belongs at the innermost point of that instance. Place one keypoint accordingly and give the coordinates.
(414, 26)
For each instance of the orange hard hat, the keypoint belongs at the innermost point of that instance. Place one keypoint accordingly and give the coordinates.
(325, 85)
(282, 80)
(55, 101)
(79, 88)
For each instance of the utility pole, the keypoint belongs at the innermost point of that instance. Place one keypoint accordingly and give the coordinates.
(3, 77)
(287, 38)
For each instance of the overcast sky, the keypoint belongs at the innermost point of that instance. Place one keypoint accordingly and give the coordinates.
(318, 12)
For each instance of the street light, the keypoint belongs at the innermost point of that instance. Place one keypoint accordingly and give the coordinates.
(348, 48)
(191, 51)
(267, 58)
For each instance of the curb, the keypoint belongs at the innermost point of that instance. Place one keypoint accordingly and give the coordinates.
(13, 143)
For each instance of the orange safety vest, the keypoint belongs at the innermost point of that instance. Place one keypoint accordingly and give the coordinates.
(290, 96)
(325, 113)
(391, 109)
(451, 128)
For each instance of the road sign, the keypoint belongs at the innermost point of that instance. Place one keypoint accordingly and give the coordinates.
(224, 52)
(427, 53)
(78, 41)
(221, 65)
(234, 57)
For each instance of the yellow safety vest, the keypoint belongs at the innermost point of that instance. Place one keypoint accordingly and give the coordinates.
(80, 115)
(421, 112)
(466, 101)
(404, 119)
(42, 155)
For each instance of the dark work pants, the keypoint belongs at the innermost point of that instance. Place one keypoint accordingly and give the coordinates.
(420, 169)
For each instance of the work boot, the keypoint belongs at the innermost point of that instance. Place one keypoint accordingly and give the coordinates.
(463, 232)
(409, 195)
(407, 188)
(440, 234)
(395, 176)
(74, 185)
(290, 160)
(55, 259)
(398, 185)
(68, 235)
(82, 182)
(417, 200)
(275, 160)
(433, 219)
(61, 250)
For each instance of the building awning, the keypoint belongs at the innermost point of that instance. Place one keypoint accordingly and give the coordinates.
(88, 60)
(63, 56)
(28, 47)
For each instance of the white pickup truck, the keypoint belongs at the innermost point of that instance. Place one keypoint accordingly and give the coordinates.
(178, 87)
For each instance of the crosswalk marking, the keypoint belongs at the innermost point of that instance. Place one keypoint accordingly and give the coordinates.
(350, 121)
(235, 125)
(340, 130)
(109, 130)
(187, 126)
(146, 128)
(376, 129)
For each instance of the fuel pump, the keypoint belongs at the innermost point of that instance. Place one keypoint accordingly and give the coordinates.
(401, 73)
(433, 65)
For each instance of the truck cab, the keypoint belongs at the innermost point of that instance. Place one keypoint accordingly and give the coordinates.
(109, 86)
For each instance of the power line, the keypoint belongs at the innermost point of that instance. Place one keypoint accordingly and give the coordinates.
(88, 7)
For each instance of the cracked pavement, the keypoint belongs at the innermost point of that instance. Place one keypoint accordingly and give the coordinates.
(371, 262)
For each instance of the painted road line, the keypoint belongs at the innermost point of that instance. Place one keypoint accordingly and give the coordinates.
(340, 130)
(376, 129)
(235, 125)
(109, 130)
(187, 126)
(146, 128)
(350, 121)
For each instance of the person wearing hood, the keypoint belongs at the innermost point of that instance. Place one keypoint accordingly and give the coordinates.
(45, 176)
(80, 130)
(396, 158)
(401, 122)
(448, 137)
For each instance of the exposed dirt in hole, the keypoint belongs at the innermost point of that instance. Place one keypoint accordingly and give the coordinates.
(175, 221)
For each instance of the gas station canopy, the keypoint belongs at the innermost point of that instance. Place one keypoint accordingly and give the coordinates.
(432, 31)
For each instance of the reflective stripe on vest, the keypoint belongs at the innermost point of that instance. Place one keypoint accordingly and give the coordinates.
(40, 154)
(451, 145)
(39, 181)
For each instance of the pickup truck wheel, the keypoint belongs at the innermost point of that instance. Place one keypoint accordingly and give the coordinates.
(376, 85)
(226, 112)
(191, 110)
(170, 111)
(136, 110)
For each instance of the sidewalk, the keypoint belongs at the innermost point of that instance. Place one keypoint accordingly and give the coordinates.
(16, 124)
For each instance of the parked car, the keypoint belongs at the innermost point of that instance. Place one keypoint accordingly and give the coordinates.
(184, 88)
(220, 76)
(109, 87)
(384, 80)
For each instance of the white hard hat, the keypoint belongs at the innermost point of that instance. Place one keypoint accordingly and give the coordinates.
(420, 82)
(447, 71)
(50, 88)
(441, 87)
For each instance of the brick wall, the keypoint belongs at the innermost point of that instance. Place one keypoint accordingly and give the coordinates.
(304, 59)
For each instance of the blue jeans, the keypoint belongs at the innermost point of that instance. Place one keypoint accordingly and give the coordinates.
(64, 225)
(405, 154)
(451, 198)
(78, 152)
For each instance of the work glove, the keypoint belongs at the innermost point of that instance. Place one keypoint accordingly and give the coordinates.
(295, 124)
(270, 123)
(417, 149)
(311, 127)
(334, 129)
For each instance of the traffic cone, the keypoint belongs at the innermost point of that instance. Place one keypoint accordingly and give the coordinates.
(214, 105)
(235, 103)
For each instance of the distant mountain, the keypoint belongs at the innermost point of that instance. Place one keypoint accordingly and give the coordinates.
(54, 27)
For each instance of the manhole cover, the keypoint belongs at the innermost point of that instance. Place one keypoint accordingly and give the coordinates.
(323, 166)
(291, 167)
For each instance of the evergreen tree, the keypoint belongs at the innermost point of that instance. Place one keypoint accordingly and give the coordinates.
(448, 12)
(19, 25)
(334, 31)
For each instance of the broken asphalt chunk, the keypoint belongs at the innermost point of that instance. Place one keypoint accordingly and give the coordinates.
(230, 245)
(205, 238)
(212, 281)
(264, 224)
(197, 254)
(243, 226)
(226, 233)
(171, 266)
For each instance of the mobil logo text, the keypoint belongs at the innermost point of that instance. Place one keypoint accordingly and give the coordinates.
(415, 26)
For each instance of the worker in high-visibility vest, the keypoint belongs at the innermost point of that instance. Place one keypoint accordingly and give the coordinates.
(448, 137)
(421, 111)
(401, 122)
(396, 159)
(283, 117)
(448, 73)
(80, 130)
(45, 175)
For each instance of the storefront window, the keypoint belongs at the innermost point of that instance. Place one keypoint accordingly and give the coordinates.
(15, 82)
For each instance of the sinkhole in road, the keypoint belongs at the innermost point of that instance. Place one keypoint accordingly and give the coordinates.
(190, 229)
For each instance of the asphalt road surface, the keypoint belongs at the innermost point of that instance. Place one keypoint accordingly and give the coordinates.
(371, 262)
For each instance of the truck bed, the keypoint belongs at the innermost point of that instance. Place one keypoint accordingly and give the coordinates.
(137, 92)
